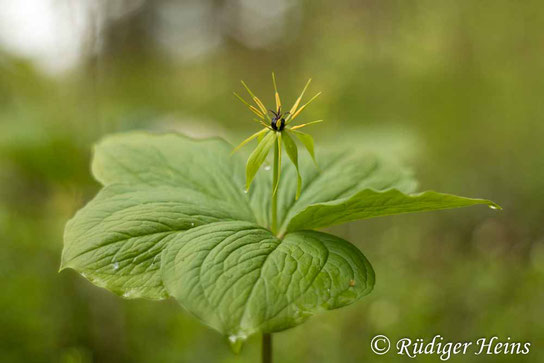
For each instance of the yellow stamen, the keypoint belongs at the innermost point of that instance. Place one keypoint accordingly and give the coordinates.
(256, 100)
(278, 101)
(255, 111)
(263, 123)
(294, 108)
(260, 104)
(304, 106)
(306, 124)
(252, 108)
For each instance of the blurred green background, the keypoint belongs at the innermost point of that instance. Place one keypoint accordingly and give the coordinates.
(452, 88)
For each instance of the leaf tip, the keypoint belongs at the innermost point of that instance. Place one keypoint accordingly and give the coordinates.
(493, 205)
(63, 263)
(236, 343)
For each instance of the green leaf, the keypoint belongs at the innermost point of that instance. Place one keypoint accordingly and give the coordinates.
(341, 175)
(308, 142)
(156, 186)
(173, 219)
(261, 137)
(259, 196)
(149, 159)
(370, 203)
(258, 135)
(258, 156)
(240, 279)
(292, 152)
(116, 240)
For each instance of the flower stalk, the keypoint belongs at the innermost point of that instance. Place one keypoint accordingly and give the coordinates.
(266, 351)
(275, 183)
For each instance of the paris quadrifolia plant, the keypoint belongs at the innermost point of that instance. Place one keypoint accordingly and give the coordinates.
(176, 217)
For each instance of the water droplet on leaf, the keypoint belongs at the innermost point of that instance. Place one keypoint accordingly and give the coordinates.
(236, 342)
(493, 207)
(267, 167)
(116, 266)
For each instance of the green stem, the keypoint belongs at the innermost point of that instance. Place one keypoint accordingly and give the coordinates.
(267, 348)
(274, 210)
(267, 337)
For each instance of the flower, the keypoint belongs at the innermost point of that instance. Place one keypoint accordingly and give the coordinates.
(277, 130)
